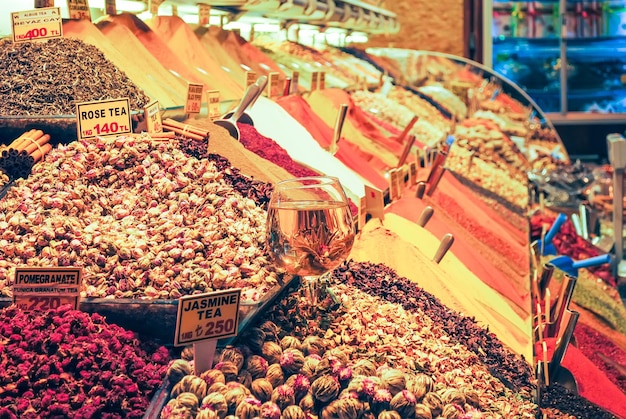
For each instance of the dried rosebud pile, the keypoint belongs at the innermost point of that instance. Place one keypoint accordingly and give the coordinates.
(260, 192)
(143, 219)
(408, 340)
(380, 280)
(367, 357)
(66, 363)
(515, 373)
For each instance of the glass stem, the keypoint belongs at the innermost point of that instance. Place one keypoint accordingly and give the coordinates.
(311, 288)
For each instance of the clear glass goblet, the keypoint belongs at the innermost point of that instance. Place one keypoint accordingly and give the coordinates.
(310, 230)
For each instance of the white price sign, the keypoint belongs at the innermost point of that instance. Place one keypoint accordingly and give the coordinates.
(204, 14)
(194, 98)
(272, 86)
(43, 23)
(206, 316)
(104, 117)
(214, 104)
(152, 113)
(79, 9)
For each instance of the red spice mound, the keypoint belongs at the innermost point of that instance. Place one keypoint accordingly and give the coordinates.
(267, 148)
(568, 243)
(600, 350)
(66, 363)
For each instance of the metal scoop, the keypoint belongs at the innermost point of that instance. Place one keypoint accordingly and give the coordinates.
(245, 118)
(231, 123)
(558, 373)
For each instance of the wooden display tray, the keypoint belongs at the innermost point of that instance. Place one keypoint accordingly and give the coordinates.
(156, 319)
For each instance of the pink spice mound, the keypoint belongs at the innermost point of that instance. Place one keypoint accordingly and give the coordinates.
(67, 363)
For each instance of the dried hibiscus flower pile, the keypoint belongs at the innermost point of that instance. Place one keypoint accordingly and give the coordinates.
(70, 364)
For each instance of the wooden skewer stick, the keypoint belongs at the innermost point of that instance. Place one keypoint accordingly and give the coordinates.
(421, 188)
(425, 216)
(444, 246)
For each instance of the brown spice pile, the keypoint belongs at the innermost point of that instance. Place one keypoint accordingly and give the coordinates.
(48, 78)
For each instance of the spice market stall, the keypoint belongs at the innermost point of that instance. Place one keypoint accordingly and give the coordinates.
(401, 329)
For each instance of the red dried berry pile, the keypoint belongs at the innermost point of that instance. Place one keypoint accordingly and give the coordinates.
(69, 364)
(568, 243)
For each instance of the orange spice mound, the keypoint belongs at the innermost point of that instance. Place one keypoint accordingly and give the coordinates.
(154, 44)
(181, 39)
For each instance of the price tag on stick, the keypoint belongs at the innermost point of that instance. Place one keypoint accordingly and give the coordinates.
(272, 85)
(79, 9)
(204, 14)
(153, 6)
(104, 117)
(412, 173)
(152, 113)
(213, 97)
(375, 202)
(46, 288)
(394, 184)
(315, 80)
(110, 7)
(295, 79)
(250, 79)
(44, 23)
(321, 82)
(204, 318)
(194, 98)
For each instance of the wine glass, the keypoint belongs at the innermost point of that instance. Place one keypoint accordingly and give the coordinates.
(310, 230)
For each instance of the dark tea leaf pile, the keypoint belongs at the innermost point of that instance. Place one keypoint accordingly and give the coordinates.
(48, 78)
